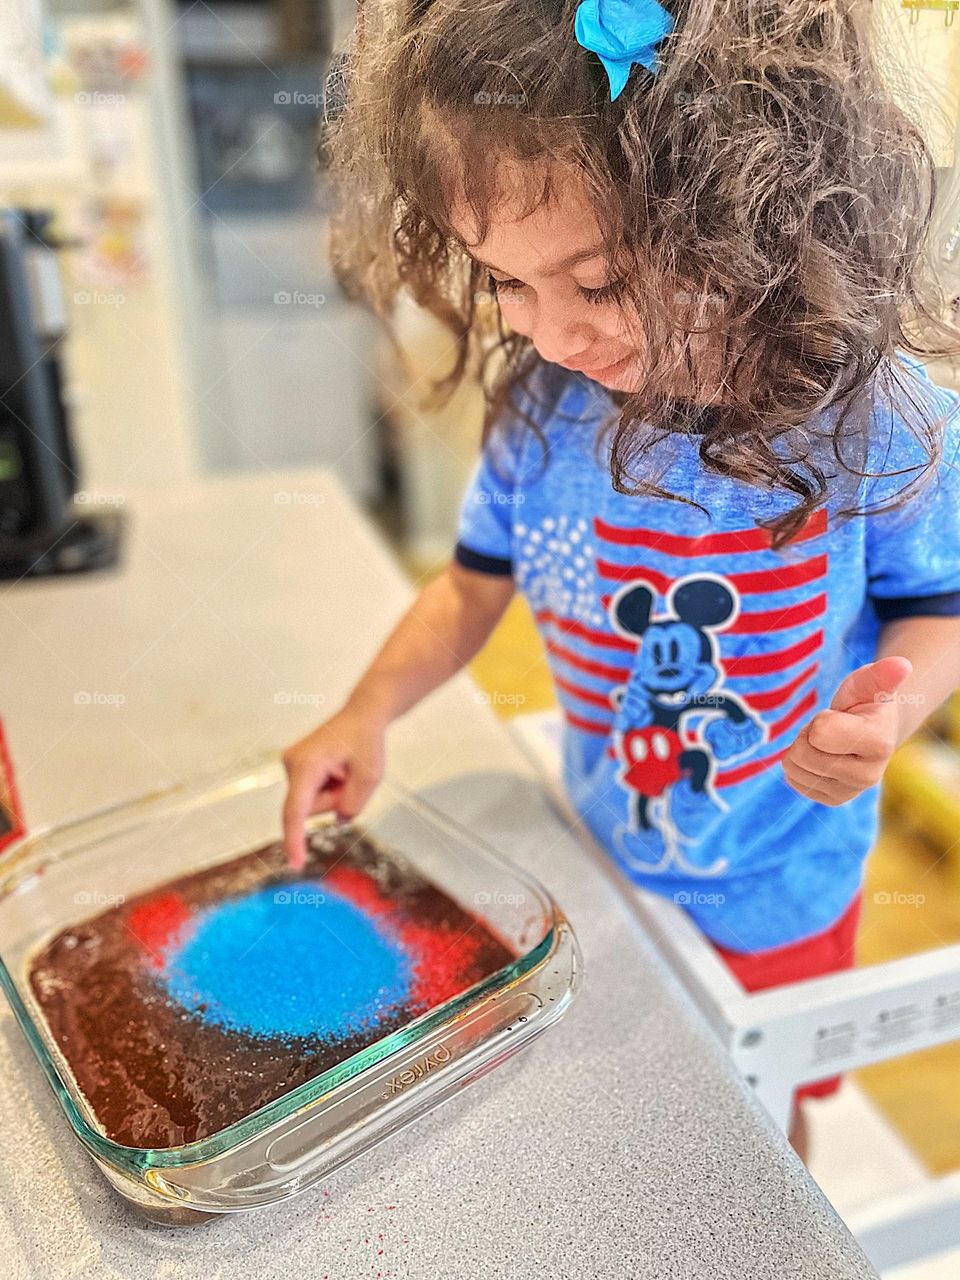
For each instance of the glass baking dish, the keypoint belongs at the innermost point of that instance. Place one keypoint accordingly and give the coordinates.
(49, 880)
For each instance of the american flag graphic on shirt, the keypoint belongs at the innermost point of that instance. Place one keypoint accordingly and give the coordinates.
(741, 662)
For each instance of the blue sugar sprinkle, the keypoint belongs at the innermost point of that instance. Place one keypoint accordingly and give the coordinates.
(290, 961)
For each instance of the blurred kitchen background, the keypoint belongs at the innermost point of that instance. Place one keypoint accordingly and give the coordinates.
(174, 145)
(166, 152)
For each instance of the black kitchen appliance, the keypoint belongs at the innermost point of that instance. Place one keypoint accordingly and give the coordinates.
(43, 529)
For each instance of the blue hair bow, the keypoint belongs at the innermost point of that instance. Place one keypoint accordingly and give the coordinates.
(621, 33)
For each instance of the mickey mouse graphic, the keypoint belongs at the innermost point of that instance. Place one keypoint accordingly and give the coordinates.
(677, 686)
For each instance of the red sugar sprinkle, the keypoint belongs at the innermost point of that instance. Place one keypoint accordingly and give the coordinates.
(156, 923)
(359, 888)
(442, 958)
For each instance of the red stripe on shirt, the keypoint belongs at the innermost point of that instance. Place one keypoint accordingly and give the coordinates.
(585, 695)
(725, 543)
(761, 580)
(588, 726)
(570, 627)
(586, 665)
(761, 664)
(779, 619)
(770, 699)
(790, 719)
(634, 573)
(729, 777)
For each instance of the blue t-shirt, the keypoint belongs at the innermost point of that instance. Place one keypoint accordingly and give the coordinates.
(687, 653)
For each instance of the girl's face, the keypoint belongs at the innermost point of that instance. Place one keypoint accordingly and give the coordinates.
(554, 286)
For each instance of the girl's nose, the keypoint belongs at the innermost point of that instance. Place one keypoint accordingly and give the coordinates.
(559, 335)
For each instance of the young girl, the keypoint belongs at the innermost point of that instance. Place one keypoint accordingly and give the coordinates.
(682, 248)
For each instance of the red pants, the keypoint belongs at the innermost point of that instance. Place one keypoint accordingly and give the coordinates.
(812, 957)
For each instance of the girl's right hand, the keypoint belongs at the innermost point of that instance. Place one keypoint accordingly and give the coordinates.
(337, 767)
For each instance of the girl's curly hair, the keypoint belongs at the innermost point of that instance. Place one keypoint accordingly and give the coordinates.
(764, 192)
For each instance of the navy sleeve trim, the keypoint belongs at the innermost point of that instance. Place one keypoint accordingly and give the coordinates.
(481, 563)
(889, 608)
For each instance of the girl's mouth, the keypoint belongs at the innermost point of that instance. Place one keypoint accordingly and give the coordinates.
(608, 371)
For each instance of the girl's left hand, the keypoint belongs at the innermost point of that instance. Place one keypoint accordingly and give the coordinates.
(845, 749)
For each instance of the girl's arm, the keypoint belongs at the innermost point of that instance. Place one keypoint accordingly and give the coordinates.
(340, 763)
(448, 624)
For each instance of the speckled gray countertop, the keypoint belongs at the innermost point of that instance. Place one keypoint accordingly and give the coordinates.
(620, 1144)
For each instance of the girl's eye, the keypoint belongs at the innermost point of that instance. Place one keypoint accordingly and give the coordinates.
(504, 286)
(606, 293)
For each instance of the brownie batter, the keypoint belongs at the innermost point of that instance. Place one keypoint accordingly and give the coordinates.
(161, 1068)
